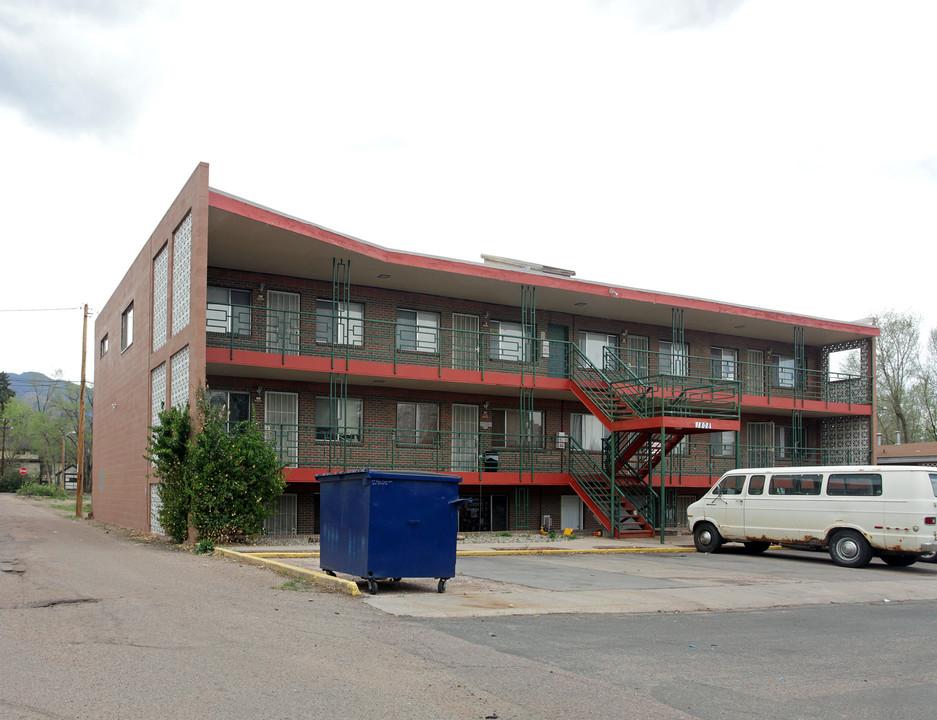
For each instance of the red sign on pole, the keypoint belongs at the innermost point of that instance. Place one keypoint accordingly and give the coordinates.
(22, 471)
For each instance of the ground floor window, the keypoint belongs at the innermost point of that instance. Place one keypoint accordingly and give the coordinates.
(488, 513)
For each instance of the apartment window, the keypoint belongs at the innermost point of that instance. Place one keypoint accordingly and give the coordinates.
(593, 346)
(228, 311)
(417, 423)
(507, 427)
(509, 342)
(587, 431)
(126, 328)
(673, 358)
(339, 419)
(723, 443)
(232, 407)
(103, 346)
(417, 331)
(724, 363)
(339, 323)
(783, 371)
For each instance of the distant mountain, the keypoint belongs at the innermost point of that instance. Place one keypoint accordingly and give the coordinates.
(26, 386)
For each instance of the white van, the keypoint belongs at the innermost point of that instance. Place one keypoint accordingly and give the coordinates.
(856, 513)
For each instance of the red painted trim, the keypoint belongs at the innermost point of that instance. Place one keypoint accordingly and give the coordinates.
(754, 402)
(269, 217)
(302, 476)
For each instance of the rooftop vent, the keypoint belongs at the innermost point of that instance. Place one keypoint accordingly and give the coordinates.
(512, 264)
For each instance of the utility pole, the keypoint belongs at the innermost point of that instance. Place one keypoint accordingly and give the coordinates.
(81, 420)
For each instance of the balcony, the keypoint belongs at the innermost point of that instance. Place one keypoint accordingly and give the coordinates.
(333, 449)
(663, 378)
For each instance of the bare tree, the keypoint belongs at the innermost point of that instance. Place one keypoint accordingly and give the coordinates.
(927, 388)
(899, 370)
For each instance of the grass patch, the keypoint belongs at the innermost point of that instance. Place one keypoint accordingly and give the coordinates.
(69, 507)
(298, 585)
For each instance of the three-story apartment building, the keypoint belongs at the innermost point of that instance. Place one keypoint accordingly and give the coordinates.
(560, 402)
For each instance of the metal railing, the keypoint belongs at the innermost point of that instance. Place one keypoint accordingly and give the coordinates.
(641, 382)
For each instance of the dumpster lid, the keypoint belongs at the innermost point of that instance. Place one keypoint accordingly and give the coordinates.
(373, 474)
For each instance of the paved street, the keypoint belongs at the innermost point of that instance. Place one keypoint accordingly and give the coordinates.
(95, 624)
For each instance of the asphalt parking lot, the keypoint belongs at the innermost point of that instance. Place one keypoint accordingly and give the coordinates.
(663, 579)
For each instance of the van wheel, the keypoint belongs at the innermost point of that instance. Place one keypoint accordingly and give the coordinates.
(706, 538)
(849, 549)
(899, 560)
(928, 557)
(756, 547)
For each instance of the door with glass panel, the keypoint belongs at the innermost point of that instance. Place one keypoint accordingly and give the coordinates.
(465, 341)
(754, 383)
(636, 355)
(281, 423)
(465, 437)
(283, 322)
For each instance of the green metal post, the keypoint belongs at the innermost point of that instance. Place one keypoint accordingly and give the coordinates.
(663, 483)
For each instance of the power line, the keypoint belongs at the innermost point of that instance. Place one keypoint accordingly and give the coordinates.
(39, 309)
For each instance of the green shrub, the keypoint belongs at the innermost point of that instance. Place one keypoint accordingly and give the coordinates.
(11, 481)
(217, 480)
(168, 450)
(235, 475)
(204, 547)
(31, 487)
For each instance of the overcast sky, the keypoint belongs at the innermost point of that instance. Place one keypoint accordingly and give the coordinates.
(779, 154)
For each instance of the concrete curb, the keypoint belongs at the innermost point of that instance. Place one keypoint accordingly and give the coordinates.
(491, 552)
(572, 551)
(345, 586)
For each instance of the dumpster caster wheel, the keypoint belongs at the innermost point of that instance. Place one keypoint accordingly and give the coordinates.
(441, 587)
(330, 573)
(396, 579)
(372, 587)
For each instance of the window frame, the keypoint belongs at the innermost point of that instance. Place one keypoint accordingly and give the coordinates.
(233, 323)
(425, 337)
(502, 439)
(329, 430)
(126, 327)
(226, 405)
(577, 434)
(414, 436)
(524, 350)
(343, 323)
(104, 345)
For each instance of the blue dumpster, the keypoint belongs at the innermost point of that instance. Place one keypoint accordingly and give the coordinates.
(381, 524)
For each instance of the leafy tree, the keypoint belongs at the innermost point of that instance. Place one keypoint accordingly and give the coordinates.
(168, 449)
(927, 389)
(6, 393)
(218, 480)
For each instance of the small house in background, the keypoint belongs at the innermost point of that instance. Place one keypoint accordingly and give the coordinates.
(71, 478)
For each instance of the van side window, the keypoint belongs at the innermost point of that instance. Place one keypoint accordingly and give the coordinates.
(933, 482)
(795, 484)
(856, 484)
(756, 486)
(732, 485)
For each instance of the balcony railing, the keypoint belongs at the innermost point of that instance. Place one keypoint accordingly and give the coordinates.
(343, 337)
(336, 448)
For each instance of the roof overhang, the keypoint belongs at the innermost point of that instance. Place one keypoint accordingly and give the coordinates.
(241, 235)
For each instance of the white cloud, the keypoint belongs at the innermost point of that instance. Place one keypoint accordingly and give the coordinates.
(771, 154)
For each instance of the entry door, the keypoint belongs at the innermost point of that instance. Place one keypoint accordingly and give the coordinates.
(754, 373)
(465, 344)
(283, 322)
(760, 444)
(570, 512)
(557, 337)
(465, 437)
